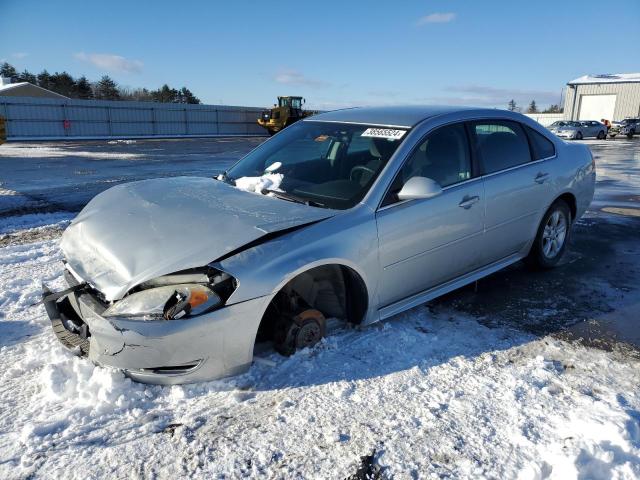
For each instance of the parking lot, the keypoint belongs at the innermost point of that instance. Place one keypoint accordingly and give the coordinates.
(535, 359)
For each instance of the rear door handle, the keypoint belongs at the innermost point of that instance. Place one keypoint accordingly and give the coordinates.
(467, 202)
(541, 177)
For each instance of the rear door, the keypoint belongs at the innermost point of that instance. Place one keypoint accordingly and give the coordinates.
(593, 129)
(516, 184)
(423, 243)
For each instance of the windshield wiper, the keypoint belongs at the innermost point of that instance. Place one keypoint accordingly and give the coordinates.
(293, 198)
(224, 178)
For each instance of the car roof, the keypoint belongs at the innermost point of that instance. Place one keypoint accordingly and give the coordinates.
(398, 116)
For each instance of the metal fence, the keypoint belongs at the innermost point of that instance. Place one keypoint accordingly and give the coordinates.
(546, 119)
(30, 118)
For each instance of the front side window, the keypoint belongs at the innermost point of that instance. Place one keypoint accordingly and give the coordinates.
(323, 163)
(444, 157)
(500, 144)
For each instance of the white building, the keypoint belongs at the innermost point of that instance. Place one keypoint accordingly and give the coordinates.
(24, 89)
(597, 97)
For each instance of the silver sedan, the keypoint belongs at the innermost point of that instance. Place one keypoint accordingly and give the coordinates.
(579, 130)
(353, 216)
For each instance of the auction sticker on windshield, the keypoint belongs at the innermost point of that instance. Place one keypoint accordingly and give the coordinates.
(389, 133)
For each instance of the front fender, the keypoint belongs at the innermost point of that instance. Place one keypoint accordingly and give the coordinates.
(350, 240)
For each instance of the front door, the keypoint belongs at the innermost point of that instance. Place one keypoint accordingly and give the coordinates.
(423, 243)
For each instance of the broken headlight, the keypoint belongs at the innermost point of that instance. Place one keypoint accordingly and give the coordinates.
(179, 295)
(169, 302)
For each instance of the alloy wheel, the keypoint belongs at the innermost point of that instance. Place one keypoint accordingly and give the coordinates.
(554, 234)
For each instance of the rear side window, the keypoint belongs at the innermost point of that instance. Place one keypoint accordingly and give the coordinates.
(542, 147)
(500, 144)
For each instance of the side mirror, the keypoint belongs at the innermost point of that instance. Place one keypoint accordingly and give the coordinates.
(419, 187)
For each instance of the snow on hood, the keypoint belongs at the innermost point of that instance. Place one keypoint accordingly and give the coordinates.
(137, 231)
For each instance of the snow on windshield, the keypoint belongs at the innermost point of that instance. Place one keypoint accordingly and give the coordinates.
(268, 181)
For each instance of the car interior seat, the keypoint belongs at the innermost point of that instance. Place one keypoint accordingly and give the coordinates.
(380, 150)
(502, 150)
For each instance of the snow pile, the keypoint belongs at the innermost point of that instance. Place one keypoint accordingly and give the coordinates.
(31, 151)
(268, 181)
(432, 393)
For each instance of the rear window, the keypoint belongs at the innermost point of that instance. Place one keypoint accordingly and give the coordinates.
(542, 147)
(501, 144)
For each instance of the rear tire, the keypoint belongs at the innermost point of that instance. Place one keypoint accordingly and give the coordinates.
(552, 238)
(601, 135)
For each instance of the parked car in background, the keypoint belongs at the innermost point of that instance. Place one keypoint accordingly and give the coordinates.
(628, 127)
(355, 215)
(572, 130)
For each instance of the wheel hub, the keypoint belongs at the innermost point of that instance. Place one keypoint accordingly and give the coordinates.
(308, 335)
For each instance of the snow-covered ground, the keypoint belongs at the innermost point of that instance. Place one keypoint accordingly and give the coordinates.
(432, 393)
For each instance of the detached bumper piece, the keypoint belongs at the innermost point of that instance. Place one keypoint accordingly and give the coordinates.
(72, 332)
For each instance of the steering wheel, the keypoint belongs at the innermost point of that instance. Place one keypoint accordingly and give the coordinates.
(360, 168)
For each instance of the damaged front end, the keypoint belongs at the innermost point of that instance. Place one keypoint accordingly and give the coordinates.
(167, 330)
(124, 306)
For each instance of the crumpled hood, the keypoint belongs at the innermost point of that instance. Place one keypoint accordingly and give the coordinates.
(137, 231)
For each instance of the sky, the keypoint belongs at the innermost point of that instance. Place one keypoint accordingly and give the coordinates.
(334, 53)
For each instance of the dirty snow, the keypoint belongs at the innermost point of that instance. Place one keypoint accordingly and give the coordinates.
(433, 393)
(19, 223)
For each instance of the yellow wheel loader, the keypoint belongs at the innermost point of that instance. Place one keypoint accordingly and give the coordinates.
(287, 111)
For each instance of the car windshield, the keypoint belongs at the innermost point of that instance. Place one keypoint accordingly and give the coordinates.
(323, 164)
(558, 124)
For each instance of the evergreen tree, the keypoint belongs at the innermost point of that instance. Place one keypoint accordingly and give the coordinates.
(44, 79)
(533, 108)
(27, 76)
(165, 94)
(8, 71)
(106, 89)
(63, 83)
(83, 89)
(512, 105)
(185, 96)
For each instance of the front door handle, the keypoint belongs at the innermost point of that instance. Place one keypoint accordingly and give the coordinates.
(467, 202)
(541, 177)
